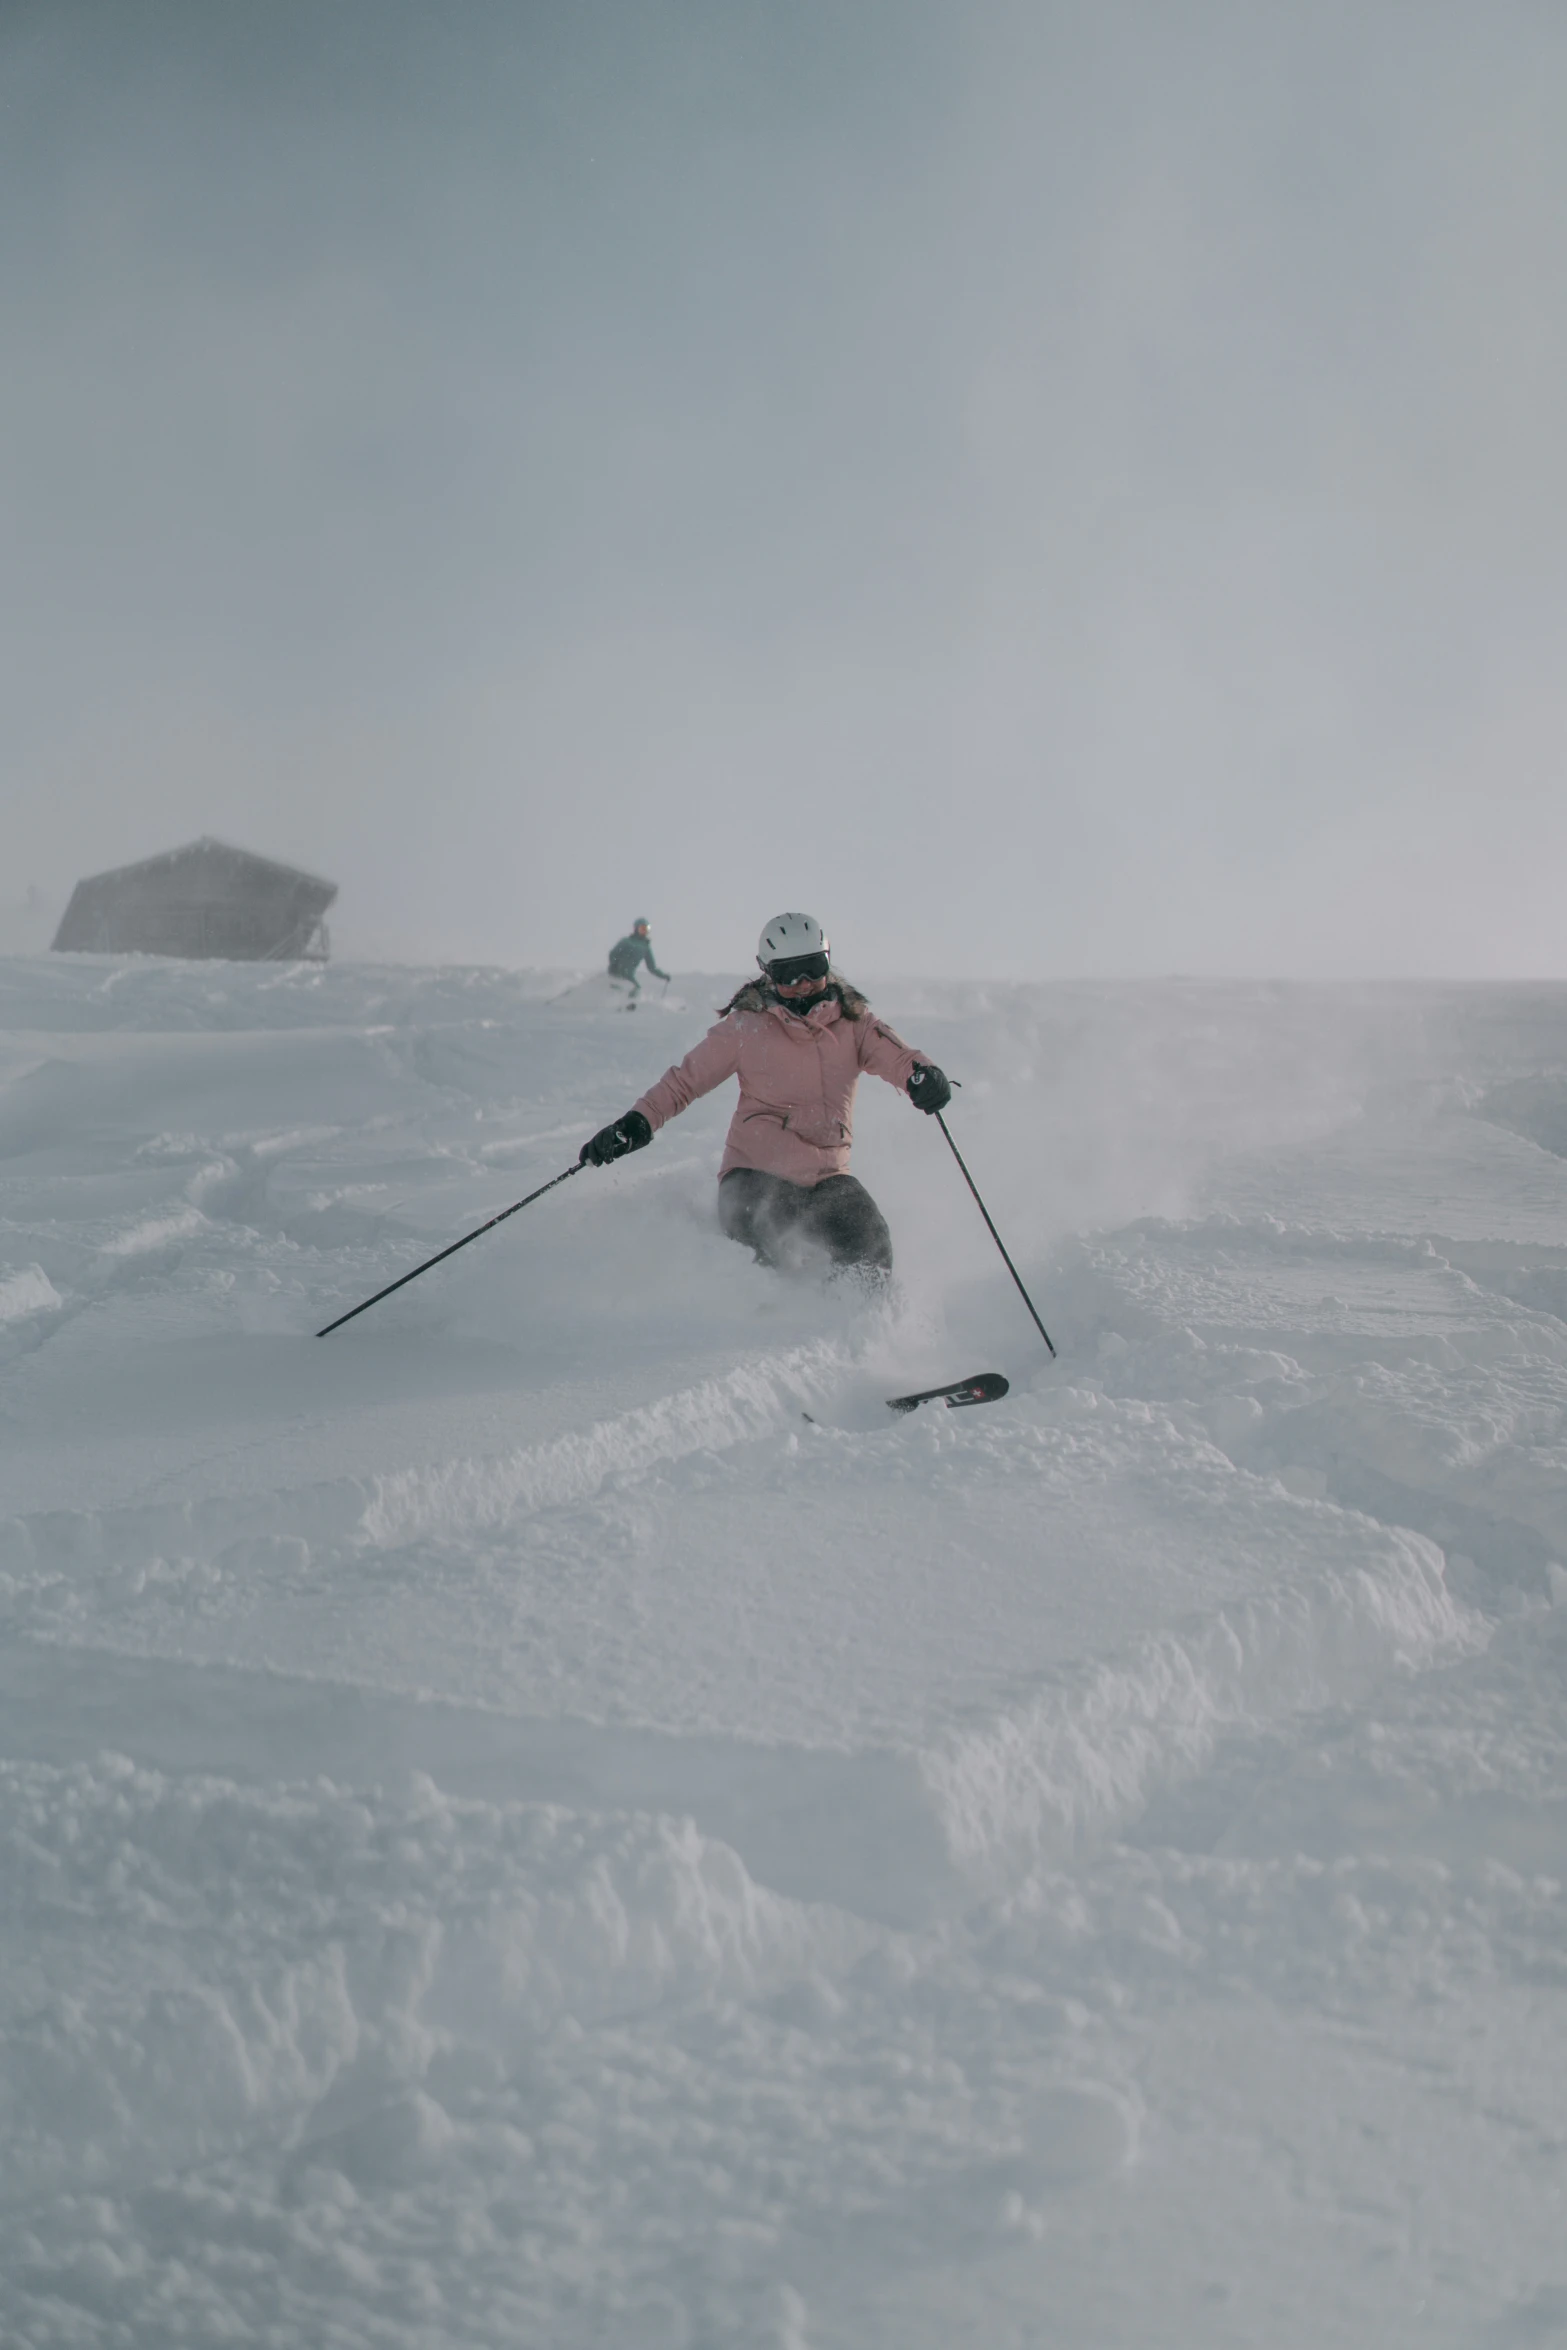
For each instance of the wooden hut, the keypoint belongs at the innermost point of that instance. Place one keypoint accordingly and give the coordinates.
(200, 901)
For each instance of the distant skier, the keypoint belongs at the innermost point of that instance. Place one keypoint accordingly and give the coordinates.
(627, 956)
(797, 1039)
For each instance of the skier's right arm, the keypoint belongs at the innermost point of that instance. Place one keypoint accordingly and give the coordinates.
(707, 1064)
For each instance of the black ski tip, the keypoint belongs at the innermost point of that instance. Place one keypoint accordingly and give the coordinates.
(983, 1387)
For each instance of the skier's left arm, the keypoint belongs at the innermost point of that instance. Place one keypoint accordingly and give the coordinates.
(884, 1053)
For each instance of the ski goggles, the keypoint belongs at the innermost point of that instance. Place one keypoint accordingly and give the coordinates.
(794, 968)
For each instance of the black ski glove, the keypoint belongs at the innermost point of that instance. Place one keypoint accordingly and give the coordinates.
(630, 1133)
(928, 1089)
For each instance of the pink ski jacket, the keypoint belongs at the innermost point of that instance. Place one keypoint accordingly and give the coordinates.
(795, 1116)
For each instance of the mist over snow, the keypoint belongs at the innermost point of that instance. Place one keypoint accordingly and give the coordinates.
(1058, 489)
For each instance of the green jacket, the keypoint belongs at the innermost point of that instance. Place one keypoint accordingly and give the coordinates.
(628, 954)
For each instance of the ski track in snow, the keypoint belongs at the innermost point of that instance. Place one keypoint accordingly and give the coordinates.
(510, 1833)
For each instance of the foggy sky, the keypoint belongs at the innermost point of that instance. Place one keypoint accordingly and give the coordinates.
(1052, 489)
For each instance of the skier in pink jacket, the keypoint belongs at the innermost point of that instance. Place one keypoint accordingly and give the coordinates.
(797, 1039)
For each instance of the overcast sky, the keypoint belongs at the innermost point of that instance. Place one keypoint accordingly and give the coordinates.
(1050, 488)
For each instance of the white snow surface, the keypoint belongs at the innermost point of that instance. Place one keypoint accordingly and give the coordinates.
(511, 1833)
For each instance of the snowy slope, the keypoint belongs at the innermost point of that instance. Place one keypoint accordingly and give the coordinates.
(511, 1833)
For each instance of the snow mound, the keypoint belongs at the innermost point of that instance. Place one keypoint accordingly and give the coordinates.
(1086, 1753)
(26, 1292)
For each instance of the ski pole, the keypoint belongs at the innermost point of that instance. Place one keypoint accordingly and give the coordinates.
(574, 1169)
(994, 1234)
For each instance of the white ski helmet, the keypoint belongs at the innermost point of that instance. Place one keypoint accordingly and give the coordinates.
(788, 935)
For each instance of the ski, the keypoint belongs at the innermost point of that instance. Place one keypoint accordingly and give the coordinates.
(984, 1387)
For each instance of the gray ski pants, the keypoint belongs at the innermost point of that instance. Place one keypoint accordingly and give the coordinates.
(788, 1223)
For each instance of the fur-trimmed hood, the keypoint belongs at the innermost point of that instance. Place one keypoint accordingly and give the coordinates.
(757, 996)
